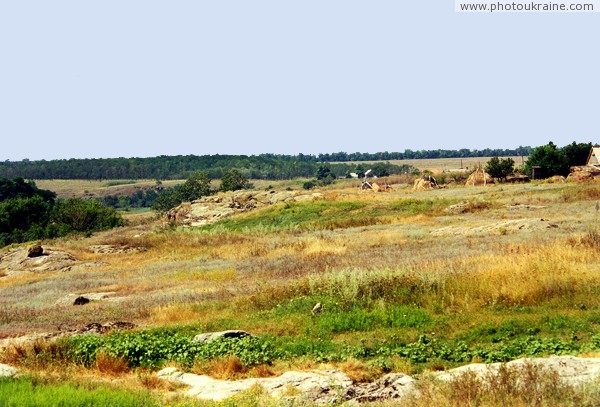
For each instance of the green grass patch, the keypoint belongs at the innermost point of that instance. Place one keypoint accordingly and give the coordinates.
(117, 182)
(32, 392)
(329, 215)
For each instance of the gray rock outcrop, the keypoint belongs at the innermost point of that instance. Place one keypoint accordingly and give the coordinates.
(17, 261)
(314, 384)
(212, 336)
(334, 386)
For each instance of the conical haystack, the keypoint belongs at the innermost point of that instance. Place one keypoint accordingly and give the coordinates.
(422, 185)
(479, 178)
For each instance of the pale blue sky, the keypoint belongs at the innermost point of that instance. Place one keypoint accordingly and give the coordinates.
(145, 78)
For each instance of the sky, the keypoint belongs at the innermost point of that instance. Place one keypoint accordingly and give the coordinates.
(143, 78)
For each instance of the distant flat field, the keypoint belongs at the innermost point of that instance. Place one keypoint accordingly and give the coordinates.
(92, 188)
(76, 188)
(445, 163)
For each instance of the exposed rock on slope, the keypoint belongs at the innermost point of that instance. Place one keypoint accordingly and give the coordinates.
(16, 261)
(333, 386)
(213, 208)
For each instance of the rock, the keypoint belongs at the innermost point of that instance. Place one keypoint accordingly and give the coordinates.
(335, 387)
(7, 371)
(16, 261)
(101, 329)
(390, 386)
(35, 251)
(317, 308)
(580, 176)
(113, 249)
(313, 385)
(212, 336)
(572, 370)
(70, 299)
(81, 301)
(460, 207)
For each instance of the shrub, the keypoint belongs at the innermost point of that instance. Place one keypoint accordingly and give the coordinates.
(233, 180)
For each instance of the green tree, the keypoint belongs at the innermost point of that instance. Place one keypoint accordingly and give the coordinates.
(196, 186)
(233, 180)
(23, 219)
(577, 153)
(382, 169)
(82, 215)
(500, 168)
(166, 199)
(552, 160)
(360, 170)
(323, 171)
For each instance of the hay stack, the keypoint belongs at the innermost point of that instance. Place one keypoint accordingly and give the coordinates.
(477, 178)
(422, 185)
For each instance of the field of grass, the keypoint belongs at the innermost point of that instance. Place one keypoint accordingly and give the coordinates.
(406, 285)
(76, 188)
(439, 164)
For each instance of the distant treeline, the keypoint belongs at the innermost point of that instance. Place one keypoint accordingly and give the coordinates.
(264, 166)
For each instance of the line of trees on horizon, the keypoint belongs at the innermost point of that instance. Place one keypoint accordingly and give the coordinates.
(263, 166)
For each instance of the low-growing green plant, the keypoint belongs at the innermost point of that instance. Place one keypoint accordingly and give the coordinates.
(153, 348)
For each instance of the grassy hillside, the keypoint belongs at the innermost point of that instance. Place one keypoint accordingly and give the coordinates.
(408, 280)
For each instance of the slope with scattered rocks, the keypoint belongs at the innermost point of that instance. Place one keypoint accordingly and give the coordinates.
(211, 209)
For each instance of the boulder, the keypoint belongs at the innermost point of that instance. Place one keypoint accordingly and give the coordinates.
(389, 387)
(212, 336)
(580, 176)
(81, 301)
(35, 251)
(7, 371)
